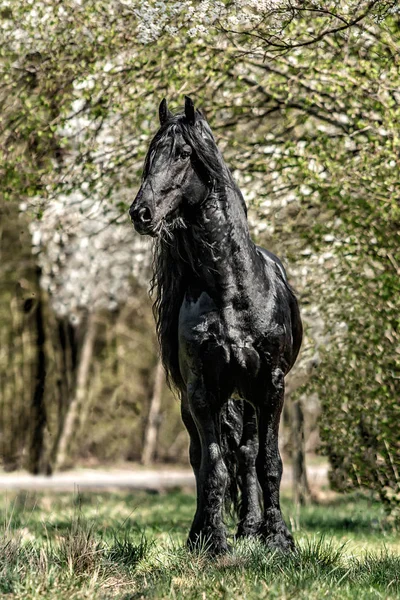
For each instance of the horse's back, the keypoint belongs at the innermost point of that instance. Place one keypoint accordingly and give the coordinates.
(270, 256)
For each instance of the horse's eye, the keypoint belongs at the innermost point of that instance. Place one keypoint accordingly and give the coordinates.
(185, 152)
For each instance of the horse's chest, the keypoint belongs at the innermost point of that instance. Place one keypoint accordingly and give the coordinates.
(219, 337)
(199, 322)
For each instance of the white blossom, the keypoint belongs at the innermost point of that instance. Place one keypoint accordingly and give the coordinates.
(88, 255)
(160, 17)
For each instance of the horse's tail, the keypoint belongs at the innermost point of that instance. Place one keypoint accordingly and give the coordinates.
(231, 434)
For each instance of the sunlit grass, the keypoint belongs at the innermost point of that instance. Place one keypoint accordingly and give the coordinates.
(130, 546)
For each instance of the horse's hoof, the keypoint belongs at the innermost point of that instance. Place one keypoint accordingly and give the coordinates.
(219, 549)
(210, 544)
(280, 541)
(248, 529)
(275, 534)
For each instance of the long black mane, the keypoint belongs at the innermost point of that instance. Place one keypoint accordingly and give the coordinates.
(172, 257)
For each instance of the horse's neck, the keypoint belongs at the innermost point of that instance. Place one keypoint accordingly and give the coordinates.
(218, 246)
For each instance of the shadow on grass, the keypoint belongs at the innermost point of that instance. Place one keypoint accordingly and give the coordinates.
(354, 514)
(49, 515)
(172, 512)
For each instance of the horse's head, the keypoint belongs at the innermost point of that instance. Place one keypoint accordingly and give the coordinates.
(178, 170)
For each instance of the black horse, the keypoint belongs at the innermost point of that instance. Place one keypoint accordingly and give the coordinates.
(228, 324)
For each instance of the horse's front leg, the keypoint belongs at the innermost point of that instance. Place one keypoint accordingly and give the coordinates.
(194, 445)
(208, 528)
(269, 464)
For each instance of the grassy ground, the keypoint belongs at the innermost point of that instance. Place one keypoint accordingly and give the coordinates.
(131, 546)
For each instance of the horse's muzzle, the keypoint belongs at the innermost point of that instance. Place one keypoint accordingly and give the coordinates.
(142, 219)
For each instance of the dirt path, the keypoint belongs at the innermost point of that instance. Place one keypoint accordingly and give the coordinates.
(135, 479)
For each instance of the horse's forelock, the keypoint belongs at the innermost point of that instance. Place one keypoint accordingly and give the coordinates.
(199, 136)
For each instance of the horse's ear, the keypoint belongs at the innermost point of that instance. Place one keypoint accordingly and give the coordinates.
(163, 112)
(189, 110)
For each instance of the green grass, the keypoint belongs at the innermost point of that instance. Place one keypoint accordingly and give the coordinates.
(131, 546)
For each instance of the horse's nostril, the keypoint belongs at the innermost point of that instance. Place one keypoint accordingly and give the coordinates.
(144, 215)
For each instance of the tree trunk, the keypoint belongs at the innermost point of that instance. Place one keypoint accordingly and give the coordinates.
(301, 489)
(65, 352)
(150, 434)
(73, 411)
(38, 408)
